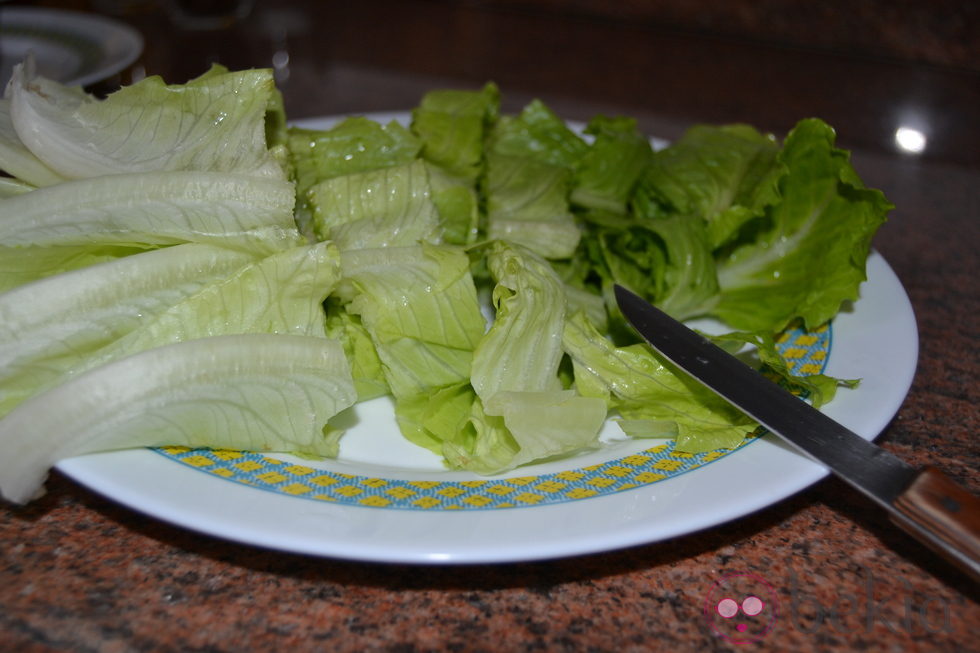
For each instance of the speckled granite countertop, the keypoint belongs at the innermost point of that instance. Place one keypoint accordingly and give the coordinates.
(79, 573)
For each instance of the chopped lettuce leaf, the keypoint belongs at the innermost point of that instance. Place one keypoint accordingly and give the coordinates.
(539, 134)
(527, 204)
(354, 145)
(516, 428)
(458, 205)
(608, 171)
(515, 374)
(522, 349)
(666, 260)
(640, 386)
(453, 125)
(388, 207)
(54, 325)
(420, 307)
(438, 418)
(724, 175)
(366, 368)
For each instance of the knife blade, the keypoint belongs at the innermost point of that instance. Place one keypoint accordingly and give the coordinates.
(924, 502)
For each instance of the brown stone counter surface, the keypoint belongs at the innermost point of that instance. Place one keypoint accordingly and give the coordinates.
(80, 573)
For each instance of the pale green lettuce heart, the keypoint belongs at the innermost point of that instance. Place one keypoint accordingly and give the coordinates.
(155, 208)
(216, 123)
(252, 392)
(86, 318)
(18, 161)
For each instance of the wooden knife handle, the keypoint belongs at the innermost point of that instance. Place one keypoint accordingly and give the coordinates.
(944, 516)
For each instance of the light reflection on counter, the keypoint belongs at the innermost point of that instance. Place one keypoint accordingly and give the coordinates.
(911, 140)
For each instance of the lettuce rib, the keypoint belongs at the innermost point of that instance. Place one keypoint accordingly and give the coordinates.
(256, 392)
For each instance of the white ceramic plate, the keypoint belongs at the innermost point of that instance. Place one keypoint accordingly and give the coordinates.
(386, 500)
(70, 47)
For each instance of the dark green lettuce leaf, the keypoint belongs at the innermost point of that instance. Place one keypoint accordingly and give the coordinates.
(810, 256)
(607, 173)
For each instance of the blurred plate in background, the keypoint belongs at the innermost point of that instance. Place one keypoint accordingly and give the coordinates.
(71, 47)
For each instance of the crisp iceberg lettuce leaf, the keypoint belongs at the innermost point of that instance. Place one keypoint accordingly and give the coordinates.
(530, 163)
(548, 424)
(253, 392)
(18, 161)
(484, 445)
(216, 123)
(453, 125)
(539, 171)
(607, 173)
(161, 208)
(724, 175)
(811, 256)
(419, 304)
(280, 294)
(527, 204)
(388, 207)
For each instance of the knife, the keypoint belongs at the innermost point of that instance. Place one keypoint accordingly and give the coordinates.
(924, 502)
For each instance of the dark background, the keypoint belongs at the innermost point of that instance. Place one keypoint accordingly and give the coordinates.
(864, 66)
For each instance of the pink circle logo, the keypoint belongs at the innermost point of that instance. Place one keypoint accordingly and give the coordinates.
(741, 607)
